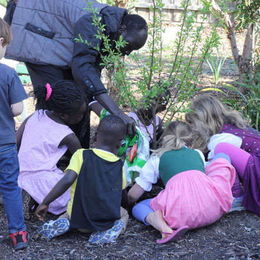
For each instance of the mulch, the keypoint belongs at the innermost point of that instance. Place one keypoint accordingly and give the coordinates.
(235, 236)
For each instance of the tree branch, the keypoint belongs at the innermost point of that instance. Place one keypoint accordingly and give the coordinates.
(229, 26)
(248, 44)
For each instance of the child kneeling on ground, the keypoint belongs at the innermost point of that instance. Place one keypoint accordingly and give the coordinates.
(193, 196)
(96, 180)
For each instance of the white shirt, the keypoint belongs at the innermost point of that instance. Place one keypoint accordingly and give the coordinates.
(149, 174)
(222, 138)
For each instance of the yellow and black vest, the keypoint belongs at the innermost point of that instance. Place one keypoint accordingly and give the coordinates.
(97, 199)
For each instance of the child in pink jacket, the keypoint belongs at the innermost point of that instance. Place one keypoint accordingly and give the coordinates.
(193, 197)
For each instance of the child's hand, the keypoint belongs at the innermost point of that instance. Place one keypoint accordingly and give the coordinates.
(41, 211)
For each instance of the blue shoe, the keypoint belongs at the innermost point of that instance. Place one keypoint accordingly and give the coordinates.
(54, 228)
(107, 236)
(237, 204)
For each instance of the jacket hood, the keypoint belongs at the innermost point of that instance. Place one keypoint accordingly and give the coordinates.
(112, 17)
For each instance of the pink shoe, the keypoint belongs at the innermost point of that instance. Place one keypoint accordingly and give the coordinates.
(175, 235)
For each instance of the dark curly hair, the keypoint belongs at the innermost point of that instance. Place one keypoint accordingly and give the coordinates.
(66, 97)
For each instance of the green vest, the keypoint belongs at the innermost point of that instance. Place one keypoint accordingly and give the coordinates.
(176, 161)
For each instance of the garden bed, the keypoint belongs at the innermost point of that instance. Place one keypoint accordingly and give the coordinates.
(235, 236)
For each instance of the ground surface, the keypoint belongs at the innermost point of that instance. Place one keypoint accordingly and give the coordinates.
(235, 236)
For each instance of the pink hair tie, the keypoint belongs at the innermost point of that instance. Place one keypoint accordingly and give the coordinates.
(49, 91)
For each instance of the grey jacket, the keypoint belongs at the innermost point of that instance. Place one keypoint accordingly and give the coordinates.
(44, 33)
(43, 30)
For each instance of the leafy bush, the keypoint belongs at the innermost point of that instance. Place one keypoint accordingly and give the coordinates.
(248, 104)
(215, 64)
(139, 79)
(3, 3)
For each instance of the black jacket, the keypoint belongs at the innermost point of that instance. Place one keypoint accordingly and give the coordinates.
(86, 63)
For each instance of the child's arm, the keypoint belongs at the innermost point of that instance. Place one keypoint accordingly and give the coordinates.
(19, 133)
(57, 191)
(72, 142)
(17, 108)
(148, 176)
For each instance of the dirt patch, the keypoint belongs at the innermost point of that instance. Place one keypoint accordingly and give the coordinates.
(235, 236)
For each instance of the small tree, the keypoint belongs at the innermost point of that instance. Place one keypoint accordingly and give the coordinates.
(3, 3)
(160, 68)
(145, 75)
(234, 17)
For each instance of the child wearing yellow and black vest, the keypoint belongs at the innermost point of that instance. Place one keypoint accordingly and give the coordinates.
(96, 180)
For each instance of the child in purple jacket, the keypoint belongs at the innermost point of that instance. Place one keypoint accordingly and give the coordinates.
(222, 125)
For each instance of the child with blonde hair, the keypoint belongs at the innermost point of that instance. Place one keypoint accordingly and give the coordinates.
(191, 198)
(227, 132)
(12, 95)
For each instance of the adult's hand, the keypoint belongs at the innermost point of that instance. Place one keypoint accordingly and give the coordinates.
(108, 103)
(130, 123)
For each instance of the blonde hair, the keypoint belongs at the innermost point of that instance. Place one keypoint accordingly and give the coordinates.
(175, 136)
(210, 111)
(5, 32)
(208, 117)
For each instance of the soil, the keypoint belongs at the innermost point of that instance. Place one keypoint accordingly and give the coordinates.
(235, 236)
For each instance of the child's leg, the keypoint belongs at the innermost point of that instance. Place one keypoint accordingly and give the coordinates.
(237, 189)
(141, 210)
(124, 218)
(12, 196)
(239, 157)
(156, 220)
(144, 213)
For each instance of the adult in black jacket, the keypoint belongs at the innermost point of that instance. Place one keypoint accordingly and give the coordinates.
(84, 65)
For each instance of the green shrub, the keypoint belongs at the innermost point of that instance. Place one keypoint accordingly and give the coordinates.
(3, 3)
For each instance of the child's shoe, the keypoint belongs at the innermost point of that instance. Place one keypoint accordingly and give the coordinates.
(54, 228)
(237, 204)
(19, 240)
(108, 236)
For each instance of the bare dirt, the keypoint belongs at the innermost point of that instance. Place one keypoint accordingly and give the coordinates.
(235, 236)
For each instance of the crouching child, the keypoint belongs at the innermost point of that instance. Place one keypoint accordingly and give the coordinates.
(96, 180)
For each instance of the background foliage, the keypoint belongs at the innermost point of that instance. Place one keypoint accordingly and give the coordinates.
(3, 2)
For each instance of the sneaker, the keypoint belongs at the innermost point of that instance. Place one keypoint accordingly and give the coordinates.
(19, 240)
(54, 228)
(108, 236)
(237, 205)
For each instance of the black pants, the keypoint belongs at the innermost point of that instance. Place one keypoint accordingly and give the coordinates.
(42, 74)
